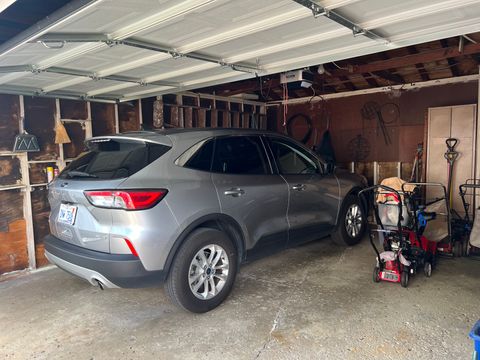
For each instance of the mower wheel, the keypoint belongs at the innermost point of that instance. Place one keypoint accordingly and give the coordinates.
(404, 279)
(427, 269)
(376, 274)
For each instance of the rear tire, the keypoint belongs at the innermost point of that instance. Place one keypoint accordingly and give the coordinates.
(404, 279)
(351, 222)
(203, 271)
(457, 249)
(427, 269)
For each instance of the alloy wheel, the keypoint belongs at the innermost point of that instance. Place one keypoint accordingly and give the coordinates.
(208, 272)
(353, 220)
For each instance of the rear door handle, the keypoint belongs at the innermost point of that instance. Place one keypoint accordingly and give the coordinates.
(299, 187)
(235, 192)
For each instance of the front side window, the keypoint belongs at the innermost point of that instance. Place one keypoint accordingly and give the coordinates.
(240, 155)
(291, 159)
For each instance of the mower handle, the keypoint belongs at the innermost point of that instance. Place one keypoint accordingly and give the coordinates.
(390, 190)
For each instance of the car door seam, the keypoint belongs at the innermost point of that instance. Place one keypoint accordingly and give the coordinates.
(288, 207)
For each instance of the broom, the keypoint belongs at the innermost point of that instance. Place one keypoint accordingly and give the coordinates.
(61, 135)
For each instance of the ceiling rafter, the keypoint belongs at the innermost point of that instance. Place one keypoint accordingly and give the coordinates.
(420, 67)
(451, 62)
(407, 60)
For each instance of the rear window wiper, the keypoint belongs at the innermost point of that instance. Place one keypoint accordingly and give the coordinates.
(74, 173)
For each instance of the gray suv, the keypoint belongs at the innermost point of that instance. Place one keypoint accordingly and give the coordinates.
(186, 207)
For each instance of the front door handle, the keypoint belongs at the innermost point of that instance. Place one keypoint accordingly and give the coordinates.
(235, 192)
(299, 187)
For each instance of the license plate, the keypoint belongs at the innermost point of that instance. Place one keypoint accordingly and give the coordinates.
(67, 214)
(387, 275)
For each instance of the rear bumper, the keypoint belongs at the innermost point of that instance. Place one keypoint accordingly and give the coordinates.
(112, 270)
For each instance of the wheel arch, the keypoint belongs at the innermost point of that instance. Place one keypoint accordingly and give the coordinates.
(217, 221)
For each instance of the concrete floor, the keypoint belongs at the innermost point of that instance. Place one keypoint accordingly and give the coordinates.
(313, 302)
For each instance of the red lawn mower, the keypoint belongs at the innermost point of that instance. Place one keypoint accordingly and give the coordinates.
(400, 221)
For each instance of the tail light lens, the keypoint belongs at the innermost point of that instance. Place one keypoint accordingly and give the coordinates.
(125, 199)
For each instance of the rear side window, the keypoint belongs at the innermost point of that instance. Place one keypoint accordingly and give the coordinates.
(114, 159)
(239, 155)
(198, 157)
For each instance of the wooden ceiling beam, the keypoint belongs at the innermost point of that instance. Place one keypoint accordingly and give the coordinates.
(348, 83)
(420, 67)
(451, 62)
(408, 60)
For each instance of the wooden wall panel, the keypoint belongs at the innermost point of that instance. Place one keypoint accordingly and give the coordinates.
(40, 209)
(9, 120)
(73, 109)
(103, 118)
(365, 169)
(13, 234)
(407, 171)
(10, 170)
(346, 122)
(40, 121)
(387, 170)
(76, 133)
(128, 117)
(37, 171)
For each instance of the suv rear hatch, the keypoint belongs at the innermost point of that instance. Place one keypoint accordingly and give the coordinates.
(107, 163)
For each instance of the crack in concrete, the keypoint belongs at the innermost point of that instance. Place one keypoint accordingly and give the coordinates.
(269, 338)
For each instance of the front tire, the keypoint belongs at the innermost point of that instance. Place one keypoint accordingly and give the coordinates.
(203, 271)
(376, 274)
(404, 279)
(351, 222)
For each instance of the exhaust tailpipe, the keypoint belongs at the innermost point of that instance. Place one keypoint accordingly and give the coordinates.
(100, 284)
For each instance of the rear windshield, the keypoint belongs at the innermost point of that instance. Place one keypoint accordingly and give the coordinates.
(113, 159)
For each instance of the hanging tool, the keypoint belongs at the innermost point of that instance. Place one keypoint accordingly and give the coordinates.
(373, 111)
(416, 175)
(451, 155)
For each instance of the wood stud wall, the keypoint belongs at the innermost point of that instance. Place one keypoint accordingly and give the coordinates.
(24, 207)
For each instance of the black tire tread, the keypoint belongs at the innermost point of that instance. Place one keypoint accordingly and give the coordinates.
(339, 235)
(173, 283)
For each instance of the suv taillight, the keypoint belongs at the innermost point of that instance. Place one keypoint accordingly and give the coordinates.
(125, 199)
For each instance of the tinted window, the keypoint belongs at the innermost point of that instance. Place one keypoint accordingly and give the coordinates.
(239, 155)
(198, 157)
(114, 159)
(292, 159)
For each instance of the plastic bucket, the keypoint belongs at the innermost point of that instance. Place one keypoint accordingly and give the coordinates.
(475, 335)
